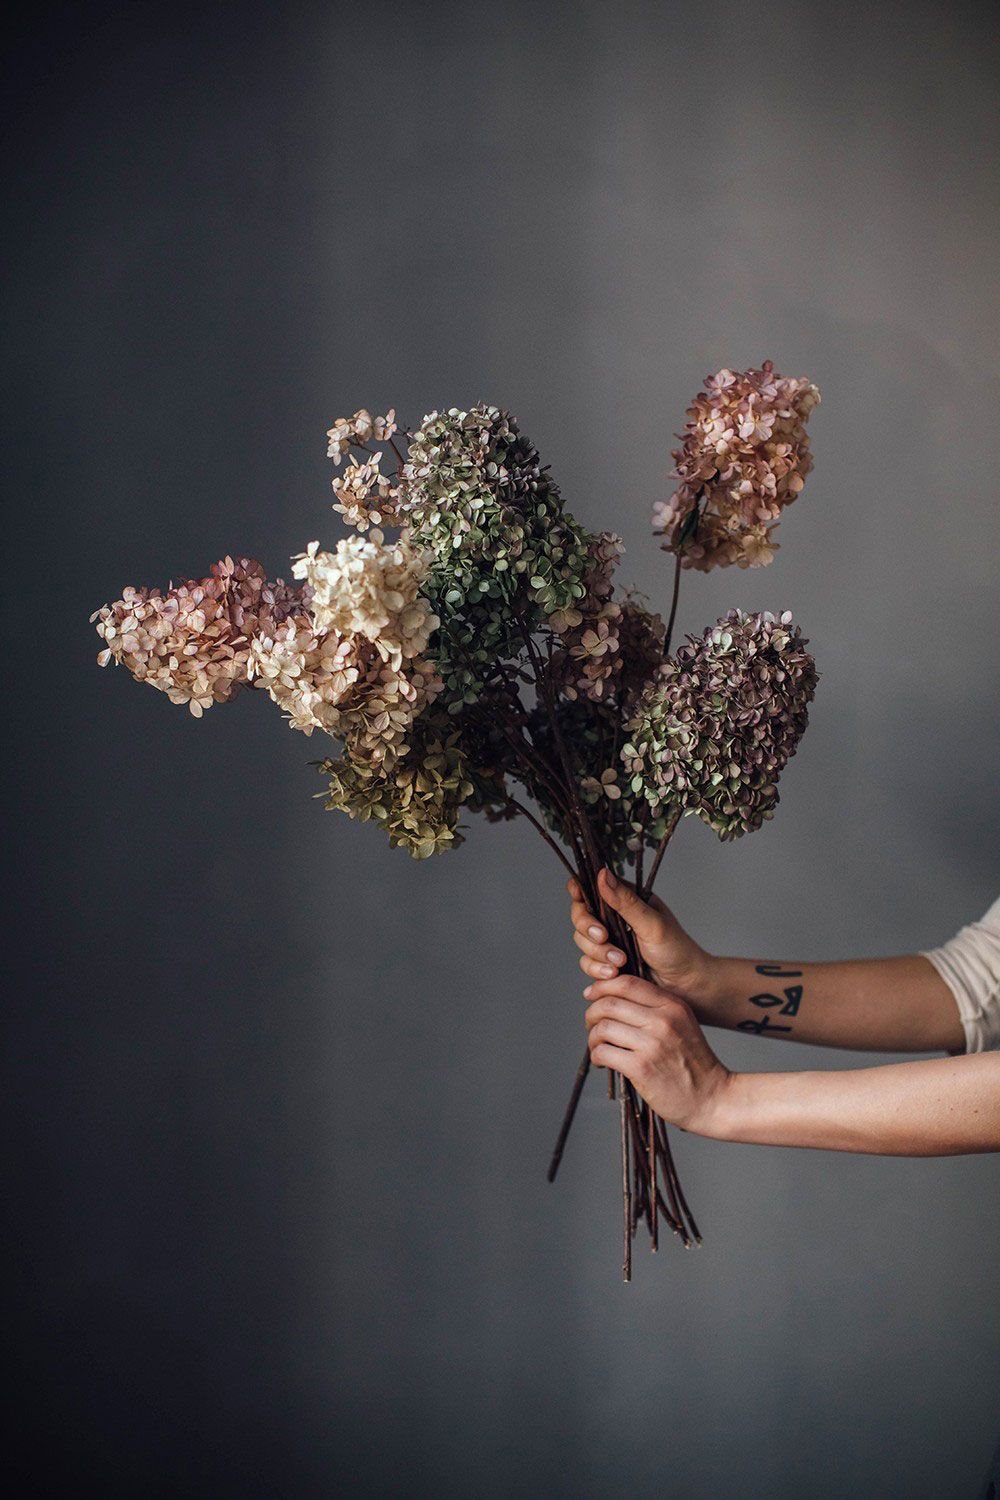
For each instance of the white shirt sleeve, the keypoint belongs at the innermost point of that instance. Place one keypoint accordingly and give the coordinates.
(970, 965)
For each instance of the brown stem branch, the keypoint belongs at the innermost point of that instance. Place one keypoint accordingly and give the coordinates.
(519, 807)
(673, 605)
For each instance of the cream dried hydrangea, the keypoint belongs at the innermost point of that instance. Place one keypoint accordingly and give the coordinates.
(376, 720)
(370, 588)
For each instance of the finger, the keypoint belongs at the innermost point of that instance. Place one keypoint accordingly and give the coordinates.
(628, 1011)
(643, 920)
(575, 889)
(594, 969)
(613, 956)
(584, 921)
(606, 1055)
(628, 987)
(617, 1032)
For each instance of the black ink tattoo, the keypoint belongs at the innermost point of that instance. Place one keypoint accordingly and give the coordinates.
(759, 1028)
(786, 1004)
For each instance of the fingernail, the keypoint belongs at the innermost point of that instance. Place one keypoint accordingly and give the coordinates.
(605, 971)
(596, 932)
(586, 993)
(614, 957)
(612, 882)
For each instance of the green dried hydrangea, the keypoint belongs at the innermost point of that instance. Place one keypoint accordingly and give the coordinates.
(504, 553)
(418, 800)
(714, 731)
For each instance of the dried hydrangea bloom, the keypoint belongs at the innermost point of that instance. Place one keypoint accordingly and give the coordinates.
(365, 496)
(194, 641)
(605, 785)
(376, 720)
(369, 588)
(714, 731)
(355, 432)
(502, 547)
(307, 672)
(745, 456)
(417, 801)
(641, 637)
(610, 652)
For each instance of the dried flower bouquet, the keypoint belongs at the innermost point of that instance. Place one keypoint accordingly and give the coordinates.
(481, 661)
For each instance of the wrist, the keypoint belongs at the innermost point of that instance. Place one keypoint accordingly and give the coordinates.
(725, 1110)
(706, 990)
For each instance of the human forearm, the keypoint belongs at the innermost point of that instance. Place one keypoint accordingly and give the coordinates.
(883, 1004)
(939, 1107)
(879, 1004)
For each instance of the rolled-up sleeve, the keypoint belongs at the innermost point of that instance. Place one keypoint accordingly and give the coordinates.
(970, 965)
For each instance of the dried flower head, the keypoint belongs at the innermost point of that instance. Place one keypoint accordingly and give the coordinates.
(369, 588)
(307, 672)
(365, 496)
(715, 729)
(416, 800)
(505, 554)
(355, 432)
(745, 456)
(194, 641)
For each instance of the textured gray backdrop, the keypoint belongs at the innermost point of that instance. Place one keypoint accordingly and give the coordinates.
(283, 1099)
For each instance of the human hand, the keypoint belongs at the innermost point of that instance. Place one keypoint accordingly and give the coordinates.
(654, 1039)
(674, 959)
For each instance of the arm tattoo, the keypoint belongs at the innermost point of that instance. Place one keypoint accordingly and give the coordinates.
(785, 1004)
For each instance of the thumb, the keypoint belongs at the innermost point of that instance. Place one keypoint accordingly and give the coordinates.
(644, 921)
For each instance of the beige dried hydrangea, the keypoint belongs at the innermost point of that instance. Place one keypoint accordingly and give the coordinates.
(365, 496)
(370, 588)
(307, 672)
(357, 431)
(376, 720)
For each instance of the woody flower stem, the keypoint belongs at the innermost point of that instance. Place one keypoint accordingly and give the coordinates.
(594, 862)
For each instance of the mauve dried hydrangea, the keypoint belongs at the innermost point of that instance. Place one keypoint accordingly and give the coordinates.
(745, 456)
(714, 731)
(194, 641)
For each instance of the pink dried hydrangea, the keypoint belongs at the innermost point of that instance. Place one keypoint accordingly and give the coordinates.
(194, 641)
(745, 456)
(605, 644)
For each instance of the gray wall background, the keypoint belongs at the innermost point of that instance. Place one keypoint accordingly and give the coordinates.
(282, 1099)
